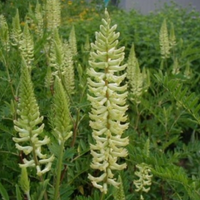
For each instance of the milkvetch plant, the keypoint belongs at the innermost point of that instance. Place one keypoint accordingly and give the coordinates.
(163, 111)
(107, 94)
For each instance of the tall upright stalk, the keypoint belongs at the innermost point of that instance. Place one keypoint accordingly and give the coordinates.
(59, 168)
(62, 124)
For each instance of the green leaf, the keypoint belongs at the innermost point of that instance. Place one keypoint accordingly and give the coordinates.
(3, 192)
(18, 193)
(171, 141)
(40, 190)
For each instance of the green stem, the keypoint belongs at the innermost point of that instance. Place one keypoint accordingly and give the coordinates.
(59, 168)
(102, 196)
(75, 129)
(28, 196)
(8, 76)
(72, 143)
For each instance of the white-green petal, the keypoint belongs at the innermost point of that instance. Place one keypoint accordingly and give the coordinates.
(25, 149)
(23, 139)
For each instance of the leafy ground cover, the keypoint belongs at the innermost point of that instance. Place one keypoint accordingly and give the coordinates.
(46, 77)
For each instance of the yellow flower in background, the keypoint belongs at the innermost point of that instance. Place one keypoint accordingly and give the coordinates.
(22, 23)
(69, 3)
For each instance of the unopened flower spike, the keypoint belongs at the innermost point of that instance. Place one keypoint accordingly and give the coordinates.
(138, 80)
(107, 94)
(24, 181)
(4, 34)
(72, 41)
(164, 41)
(16, 32)
(61, 63)
(39, 19)
(53, 14)
(62, 122)
(26, 46)
(175, 67)
(172, 37)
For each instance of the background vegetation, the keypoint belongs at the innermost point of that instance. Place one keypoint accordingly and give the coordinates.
(164, 126)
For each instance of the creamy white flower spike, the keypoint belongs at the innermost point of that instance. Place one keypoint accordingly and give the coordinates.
(107, 95)
(30, 127)
(144, 182)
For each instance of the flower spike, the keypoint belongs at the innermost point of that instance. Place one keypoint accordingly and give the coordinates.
(107, 94)
(30, 127)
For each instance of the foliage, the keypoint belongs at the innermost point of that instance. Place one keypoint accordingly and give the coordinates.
(47, 68)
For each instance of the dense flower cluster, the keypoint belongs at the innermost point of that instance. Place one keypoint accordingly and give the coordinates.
(107, 95)
(30, 127)
(145, 178)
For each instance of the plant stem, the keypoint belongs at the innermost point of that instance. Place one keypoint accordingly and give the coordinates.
(102, 196)
(59, 168)
(28, 196)
(8, 76)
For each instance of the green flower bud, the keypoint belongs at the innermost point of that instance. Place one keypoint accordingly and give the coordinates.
(24, 181)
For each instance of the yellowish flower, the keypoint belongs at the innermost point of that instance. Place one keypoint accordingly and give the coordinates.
(69, 3)
(22, 23)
